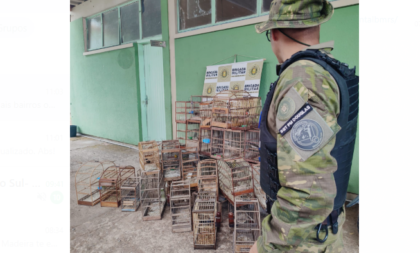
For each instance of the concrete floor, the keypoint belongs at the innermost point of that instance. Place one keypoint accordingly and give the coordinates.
(106, 229)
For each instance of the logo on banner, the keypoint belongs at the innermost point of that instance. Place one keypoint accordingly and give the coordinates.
(307, 134)
(224, 73)
(236, 87)
(209, 90)
(254, 71)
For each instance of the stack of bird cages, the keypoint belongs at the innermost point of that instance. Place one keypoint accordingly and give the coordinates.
(252, 141)
(193, 133)
(171, 160)
(110, 184)
(205, 141)
(258, 191)
(235, 178)
(180, 200)
(152, 195)
(231, 110)
(247, 227)
(190, 159)
(149, 156)
(198, 103)
(254, 112)
(87, 182)
(207, 176)
(217, 142)
(204, 225)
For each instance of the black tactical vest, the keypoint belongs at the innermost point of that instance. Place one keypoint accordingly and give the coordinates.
(348, 84)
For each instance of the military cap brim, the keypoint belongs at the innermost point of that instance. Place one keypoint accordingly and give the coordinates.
(326, 15)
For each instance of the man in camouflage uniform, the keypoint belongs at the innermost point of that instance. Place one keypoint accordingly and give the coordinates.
(308, 189)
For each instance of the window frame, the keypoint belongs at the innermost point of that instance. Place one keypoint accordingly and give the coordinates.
(213, 16)
(140, 40)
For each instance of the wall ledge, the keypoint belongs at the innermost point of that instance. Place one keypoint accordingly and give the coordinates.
(103, 50)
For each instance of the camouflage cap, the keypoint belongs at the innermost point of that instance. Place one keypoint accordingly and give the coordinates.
(296, 14)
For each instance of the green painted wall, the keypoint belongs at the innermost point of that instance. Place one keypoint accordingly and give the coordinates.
(104, 91)
(194, 53)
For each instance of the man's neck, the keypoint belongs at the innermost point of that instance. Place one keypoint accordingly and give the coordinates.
(290, 49)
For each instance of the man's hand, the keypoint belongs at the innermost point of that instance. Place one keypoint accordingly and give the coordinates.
(254, 248)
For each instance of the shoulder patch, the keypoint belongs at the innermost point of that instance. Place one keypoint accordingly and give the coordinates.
(303, 128)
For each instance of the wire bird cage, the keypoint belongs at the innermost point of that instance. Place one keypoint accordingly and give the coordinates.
(110, 184)
(183, 111)
(180, 200)
(190, 159)
(204, 226)
(205, 145)
(87, 182)
(235, 178)
(247, 227)
(252, 142)
(207, 176)
(231, 109)
(254, 112)
(196, 106)
(192, 133)
(152, 195)
(149, 156)
(258, 191)
(205, 113)
(226, 143)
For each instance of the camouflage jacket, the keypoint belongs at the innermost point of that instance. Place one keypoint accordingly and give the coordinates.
(308, 189)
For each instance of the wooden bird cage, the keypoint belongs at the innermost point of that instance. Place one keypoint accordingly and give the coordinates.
(233, 144)
(190, 159)
(217, 142)
(181, 133)
(180, 200)
(149, 156)
(252, 142)
(193, 133)
(205, 141)
(231, 110)
(258, 191)
(110, 184)
(247, 226)
(196, 102)
(254, 112)
(183, 111)
(204, 225)
(152, 195)
(87, 182)
(235, 178)
(207, 176)
(171, 160)
(130, 194)
(206, 113)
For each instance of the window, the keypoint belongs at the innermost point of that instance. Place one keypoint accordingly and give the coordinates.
(194, 14)
(151, 22)
(122, 24)
(232, 9)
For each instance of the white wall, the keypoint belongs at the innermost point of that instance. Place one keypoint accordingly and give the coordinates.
(91, 7)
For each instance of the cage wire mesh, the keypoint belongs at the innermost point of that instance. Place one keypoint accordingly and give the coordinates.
(217, 142)
(205, 144)
(109, 185)
(258, 191)
(233, 144)
(181, 133)
(87, 182)
(196, 102)
(193, 133)
(204, 226)
(190, 159)
(183, 111)
(207, 176)
(130, 194)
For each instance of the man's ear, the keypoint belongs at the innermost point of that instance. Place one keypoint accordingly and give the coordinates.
(275, 34)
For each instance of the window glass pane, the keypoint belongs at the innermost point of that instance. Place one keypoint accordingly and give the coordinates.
(95, 32)
(193, 13)
(151, 23)
(130, 22)
(231, 9)
(266, 5)
(110, 20)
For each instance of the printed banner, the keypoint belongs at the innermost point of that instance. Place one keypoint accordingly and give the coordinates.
(234, 76)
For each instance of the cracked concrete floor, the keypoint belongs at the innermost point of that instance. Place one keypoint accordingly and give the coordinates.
(106, 229)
